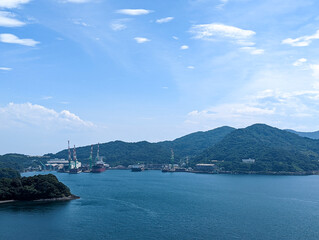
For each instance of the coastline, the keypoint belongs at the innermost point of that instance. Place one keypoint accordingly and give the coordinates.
(69, 198)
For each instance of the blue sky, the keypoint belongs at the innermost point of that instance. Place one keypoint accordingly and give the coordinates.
(99, 70)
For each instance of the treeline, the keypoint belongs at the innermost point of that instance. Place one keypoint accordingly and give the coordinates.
(19, 161)
(31, 188)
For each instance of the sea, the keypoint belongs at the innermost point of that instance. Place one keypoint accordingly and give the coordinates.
(120, 204)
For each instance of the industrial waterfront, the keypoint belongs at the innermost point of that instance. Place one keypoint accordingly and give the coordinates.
(121, 204)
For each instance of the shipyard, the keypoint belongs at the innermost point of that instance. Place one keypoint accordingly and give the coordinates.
(97, 164)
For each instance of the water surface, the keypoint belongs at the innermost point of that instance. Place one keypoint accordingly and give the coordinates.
(120, 204)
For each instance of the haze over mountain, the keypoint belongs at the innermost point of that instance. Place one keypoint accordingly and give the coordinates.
(313, 135)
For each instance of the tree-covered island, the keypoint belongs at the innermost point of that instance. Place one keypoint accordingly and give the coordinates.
(39, 187)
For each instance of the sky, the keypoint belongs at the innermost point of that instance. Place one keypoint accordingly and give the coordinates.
(93, 71)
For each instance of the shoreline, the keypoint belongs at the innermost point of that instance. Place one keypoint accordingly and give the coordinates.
(232, 172)
(69, 198)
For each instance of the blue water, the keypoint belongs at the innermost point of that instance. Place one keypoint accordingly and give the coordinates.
(155, 205)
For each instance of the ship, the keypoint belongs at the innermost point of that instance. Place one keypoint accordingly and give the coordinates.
(137, 168)
(99, 165)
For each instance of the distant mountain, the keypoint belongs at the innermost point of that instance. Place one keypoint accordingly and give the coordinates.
(313, 135)
(272, 148)
(119, 152)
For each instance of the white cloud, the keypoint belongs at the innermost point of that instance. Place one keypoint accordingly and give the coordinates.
(299, 62)
(184, 47)
(5, 69)
(269, 106)
(134, 12)
(253, 50)
(33, 115)
(191, 67)
(301, 41)
(12, 3)
(164, 20)
(141, 39)
(10, 38)
(217, 31)
(174, 37)
(7, 20)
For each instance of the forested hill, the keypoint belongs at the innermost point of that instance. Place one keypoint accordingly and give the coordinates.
(272, 148)
(13, 187)
(19, 161)
(119, 152)
(313, 135)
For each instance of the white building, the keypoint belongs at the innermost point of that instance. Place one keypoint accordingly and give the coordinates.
(248, 160)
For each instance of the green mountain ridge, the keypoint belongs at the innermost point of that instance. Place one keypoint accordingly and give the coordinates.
(119, 152)
(272, 148)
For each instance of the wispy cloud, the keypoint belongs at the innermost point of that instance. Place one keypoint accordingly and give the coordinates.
(299, 62)
(315, 70)
(218, 31)
(28, 114)
(10, 38)
(7, 20)
(141, 39)
(164, 20)
(268, 106)
(12, 3)
(303, 41)
(119, 24)
(134, 12)
(253, 50)
(5, 69)
(221, 4)
(47, 97)
(190, 67)
(184, 47)
(80, 22)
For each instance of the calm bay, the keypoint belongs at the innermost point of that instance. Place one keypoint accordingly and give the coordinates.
(120, 204)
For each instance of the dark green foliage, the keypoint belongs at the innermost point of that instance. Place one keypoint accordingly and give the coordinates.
(9, 173)
(32, 188)
(123, 153)
(274, 150)
(19, 161)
